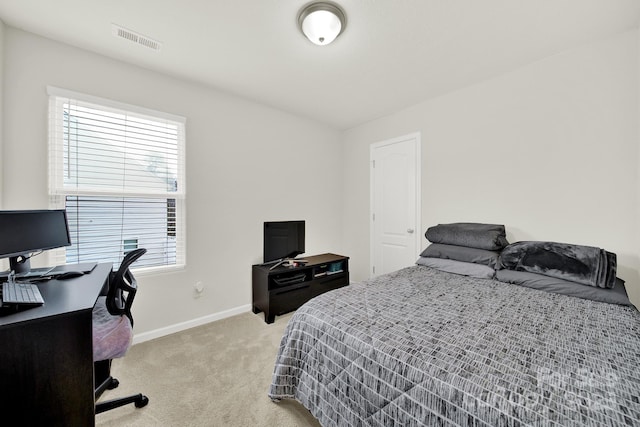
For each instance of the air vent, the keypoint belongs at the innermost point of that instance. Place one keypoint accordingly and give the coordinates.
(134, 37)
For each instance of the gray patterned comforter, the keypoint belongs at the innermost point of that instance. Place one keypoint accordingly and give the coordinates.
(424, 347)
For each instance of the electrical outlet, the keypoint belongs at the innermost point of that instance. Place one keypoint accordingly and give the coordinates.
(199, 288)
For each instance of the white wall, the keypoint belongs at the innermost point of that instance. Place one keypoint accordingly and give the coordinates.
(550, 150)
(246, 163)
(638, 170)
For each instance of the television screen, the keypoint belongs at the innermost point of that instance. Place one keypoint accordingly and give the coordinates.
(283, 239)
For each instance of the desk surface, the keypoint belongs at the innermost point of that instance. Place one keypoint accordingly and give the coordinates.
(63, 297)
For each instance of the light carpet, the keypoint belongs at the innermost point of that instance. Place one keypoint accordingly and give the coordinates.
(212, 375)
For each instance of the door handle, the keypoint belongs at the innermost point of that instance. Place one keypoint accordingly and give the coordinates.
(410, 230)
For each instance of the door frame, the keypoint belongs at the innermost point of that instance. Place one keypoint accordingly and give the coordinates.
(416, 137)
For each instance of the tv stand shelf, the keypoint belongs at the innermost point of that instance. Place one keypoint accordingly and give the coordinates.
(284, 289)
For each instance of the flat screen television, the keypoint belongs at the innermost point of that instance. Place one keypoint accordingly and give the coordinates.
(27, 232)
(282, 240)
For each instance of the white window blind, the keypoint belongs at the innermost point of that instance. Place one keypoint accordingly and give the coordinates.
(119, 172)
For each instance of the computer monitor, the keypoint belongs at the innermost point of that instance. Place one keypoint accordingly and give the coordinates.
(29, 232)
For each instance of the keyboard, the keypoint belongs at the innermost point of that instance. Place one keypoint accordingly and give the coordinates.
(21, 293)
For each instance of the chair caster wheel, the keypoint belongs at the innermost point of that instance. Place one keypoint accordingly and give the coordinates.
(113, 384)
(142, 402)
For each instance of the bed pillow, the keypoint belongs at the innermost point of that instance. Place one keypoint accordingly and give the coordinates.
(472, 235)
(458, 267)
(576, 263)
(462, 253)
(616, 295)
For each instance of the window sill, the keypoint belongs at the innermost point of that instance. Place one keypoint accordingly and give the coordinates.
(152, 271)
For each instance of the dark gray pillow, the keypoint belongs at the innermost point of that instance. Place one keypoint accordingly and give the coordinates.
(615, 295)
(458, 267)
(462, 253)
(472, 235)
(576, 263)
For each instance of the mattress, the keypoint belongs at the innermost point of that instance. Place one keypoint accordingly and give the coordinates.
(424, 347)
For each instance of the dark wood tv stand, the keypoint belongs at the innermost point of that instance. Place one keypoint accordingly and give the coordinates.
(284, 289)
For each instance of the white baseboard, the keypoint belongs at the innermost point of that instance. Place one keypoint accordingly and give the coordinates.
(157, 333)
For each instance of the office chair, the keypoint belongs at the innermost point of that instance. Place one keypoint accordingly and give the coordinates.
(113, 332)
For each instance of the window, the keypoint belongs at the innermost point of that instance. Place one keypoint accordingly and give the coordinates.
(119, 172)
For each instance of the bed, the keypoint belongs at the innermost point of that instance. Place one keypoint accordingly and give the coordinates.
(423, 346)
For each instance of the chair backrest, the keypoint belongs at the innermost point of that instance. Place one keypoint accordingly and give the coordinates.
(123, 286)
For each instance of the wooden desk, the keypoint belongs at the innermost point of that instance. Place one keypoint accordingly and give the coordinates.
(46, 355)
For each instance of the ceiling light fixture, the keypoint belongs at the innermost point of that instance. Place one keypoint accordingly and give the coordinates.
(321, 22)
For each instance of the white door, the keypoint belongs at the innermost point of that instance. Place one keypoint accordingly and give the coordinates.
(395, 204)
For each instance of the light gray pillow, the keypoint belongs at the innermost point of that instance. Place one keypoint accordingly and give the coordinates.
(458, 267)
(615, 295)
(470, 234)
(462, 253)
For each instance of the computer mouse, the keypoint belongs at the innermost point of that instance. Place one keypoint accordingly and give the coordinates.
(69, 275)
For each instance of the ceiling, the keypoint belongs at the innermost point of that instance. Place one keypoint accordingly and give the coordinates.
(393, 53)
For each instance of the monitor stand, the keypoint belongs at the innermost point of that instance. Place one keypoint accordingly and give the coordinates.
(19, 264)
(289, 257)
(279, 263)
(288, 260)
